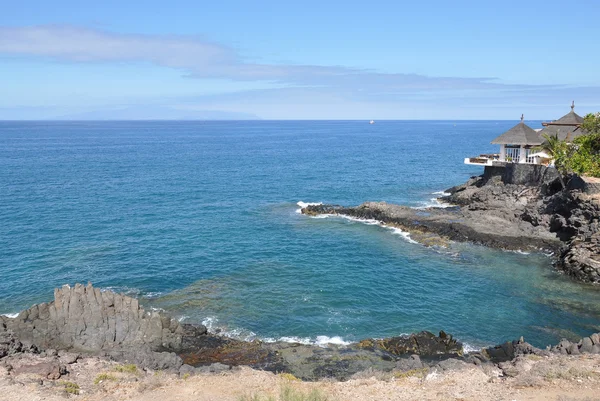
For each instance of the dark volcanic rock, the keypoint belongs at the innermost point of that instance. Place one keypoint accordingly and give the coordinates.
(411, 363)
(87, 319)
(47, 370)
(83, 318)
(191, 349)
(439, 225)
(495, 212)
(423, 343)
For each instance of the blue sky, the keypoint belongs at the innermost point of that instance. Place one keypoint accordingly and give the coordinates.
(298, 60)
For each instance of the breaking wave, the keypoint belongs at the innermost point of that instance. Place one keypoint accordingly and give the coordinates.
(306, 204)
(213, 326)
(10, 315)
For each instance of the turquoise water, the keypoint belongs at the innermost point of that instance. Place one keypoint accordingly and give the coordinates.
(200, 219)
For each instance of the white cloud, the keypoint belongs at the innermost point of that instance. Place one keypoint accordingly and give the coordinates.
(302, 90)
(202, 59)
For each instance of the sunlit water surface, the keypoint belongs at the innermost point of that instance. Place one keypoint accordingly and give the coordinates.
(200, 219)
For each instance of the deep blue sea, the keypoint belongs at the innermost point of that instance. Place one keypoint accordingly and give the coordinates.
(200, 219)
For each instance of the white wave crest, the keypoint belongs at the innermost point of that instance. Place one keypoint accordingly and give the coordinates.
(152, 294)
(369, 222)
(468, 348)
(11, 315)
(320, 341)
(372, 222)
(434, 203)
(210, 322)
(403, 234)
(306, 204)
(518, 251)
(213, 326)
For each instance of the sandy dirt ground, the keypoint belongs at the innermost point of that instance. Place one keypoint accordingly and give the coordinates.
(561, 378)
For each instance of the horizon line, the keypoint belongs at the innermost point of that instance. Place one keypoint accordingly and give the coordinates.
(257, 120)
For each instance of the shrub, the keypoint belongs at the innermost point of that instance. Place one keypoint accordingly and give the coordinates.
(70, 387)
(129, 368)
(289, 377)
(104, 377)
(288, 393)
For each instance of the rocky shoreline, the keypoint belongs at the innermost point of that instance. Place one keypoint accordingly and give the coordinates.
(493, 212)
(84, 322)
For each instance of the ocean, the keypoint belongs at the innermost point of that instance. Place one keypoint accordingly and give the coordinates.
(201, 219)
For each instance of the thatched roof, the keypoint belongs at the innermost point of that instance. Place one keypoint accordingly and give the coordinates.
(563, 132)
(520, 134)
(572, 119)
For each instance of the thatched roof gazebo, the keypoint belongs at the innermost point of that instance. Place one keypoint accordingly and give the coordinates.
(517, 143)
(566, 128)
(520, 134)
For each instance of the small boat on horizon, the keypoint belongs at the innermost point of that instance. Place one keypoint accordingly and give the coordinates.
(371, 122)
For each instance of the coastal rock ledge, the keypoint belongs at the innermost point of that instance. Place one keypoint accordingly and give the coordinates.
(493, 211)
(84, 322)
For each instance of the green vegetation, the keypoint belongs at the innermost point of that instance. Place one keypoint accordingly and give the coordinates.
(70, 387)
(289, 394)
(104, 377)
(129, 368)
(412, 373)
(289, 376)
(582, 156)
(591, 123)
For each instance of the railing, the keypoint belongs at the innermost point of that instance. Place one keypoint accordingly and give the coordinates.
(513, 155)
(529, 159)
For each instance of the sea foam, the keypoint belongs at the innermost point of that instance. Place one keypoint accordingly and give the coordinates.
(306, 204)
(368, 222)
(320, 341)
(11, 315)
(212, 324)
(435, 202)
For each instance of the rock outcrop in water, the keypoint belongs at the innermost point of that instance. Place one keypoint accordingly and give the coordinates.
(502, 215)
(84, 320)
(87, 319)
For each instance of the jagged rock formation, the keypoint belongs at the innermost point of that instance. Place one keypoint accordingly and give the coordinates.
(87, 319)
(83, 320)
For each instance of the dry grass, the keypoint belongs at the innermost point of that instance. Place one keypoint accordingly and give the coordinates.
(421, 373)
(103, 377)
(289, 377)
(70, 387)
(129, 368)
(288, 393)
